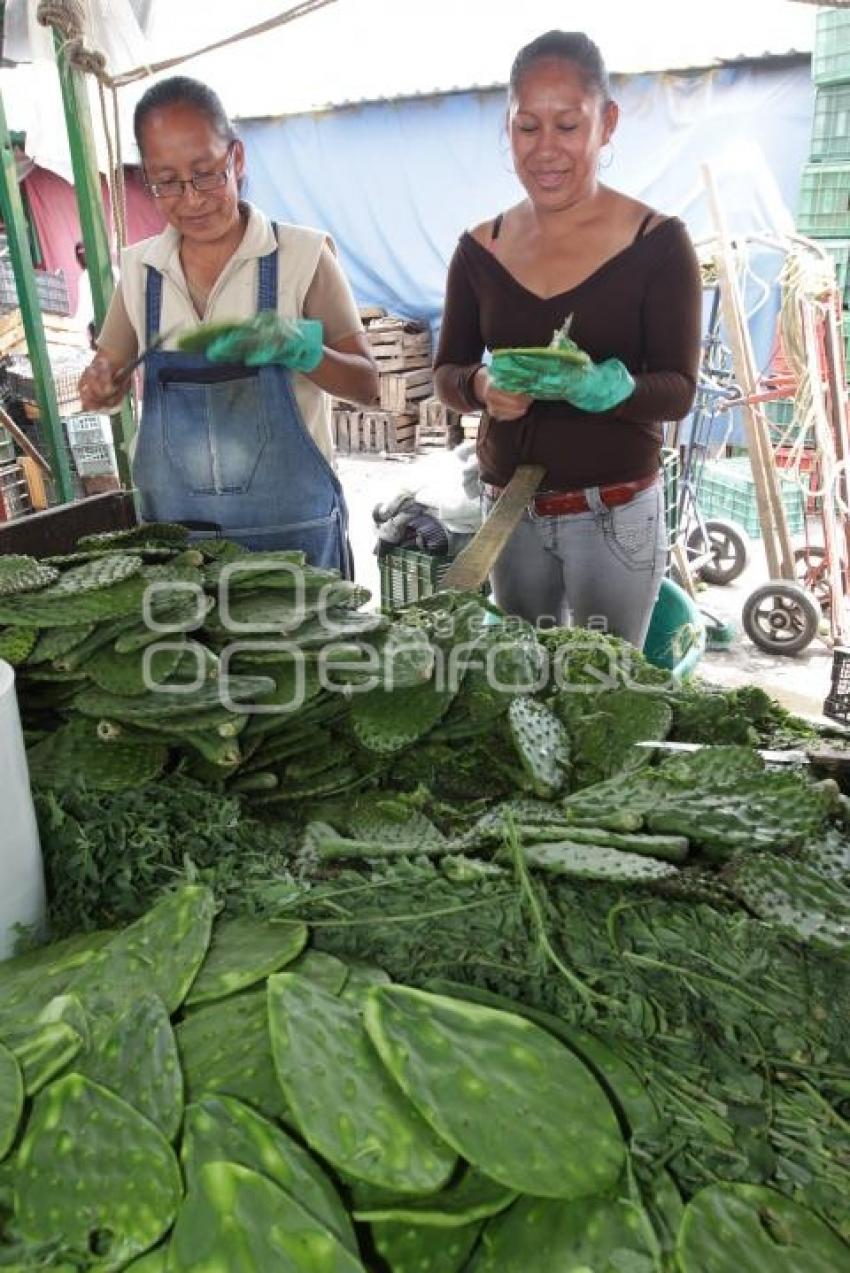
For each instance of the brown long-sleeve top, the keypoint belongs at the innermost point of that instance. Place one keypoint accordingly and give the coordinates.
(642, 306)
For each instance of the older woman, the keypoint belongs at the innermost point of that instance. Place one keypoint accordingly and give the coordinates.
(234, 449)
(591, 547)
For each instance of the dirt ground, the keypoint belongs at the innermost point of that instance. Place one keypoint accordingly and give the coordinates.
(800, 682)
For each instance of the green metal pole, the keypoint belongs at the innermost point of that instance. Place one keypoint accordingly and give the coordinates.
(92, 220)
(12, 210)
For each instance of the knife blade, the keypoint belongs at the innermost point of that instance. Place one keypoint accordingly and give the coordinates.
(473, 563)
(158, 341)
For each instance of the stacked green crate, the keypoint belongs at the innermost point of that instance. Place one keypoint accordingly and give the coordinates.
(824, 212)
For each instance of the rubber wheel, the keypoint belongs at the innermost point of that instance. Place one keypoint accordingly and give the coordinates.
(728, 545)
(810, 571)
(781, 618)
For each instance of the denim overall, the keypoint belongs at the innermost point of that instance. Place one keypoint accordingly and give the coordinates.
(223, 449)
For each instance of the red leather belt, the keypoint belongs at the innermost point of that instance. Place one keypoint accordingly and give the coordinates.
(559, 503)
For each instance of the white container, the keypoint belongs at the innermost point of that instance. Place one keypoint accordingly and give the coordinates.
(21, 870)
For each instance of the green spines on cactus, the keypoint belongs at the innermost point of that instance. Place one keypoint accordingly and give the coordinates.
(741, 1228)
(225, 1047)
(235, 1218)
(542, 745)
(503, 1093)
(89, 1165)
(385, 721)
(74, 750)
(19, 574)
(322, 1052)
(220, 1128)
(11, 1099)
(242, 952)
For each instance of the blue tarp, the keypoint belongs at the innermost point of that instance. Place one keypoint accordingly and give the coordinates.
(396, 182)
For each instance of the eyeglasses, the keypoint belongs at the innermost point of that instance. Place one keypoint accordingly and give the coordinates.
(201, 182)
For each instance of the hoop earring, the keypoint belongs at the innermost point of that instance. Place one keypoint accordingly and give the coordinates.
(608, 159)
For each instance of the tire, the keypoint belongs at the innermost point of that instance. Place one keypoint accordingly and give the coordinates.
(729, 547)
(781, 618)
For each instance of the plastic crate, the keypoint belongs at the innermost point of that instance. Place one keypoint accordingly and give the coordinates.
(825, 201)
(408, 575)
(67, 368)
(93, 459)
(831, 57)
(670, 477)
(839, 250)
(831, 126)
(51, 290)
(7, 448)
(727, 490)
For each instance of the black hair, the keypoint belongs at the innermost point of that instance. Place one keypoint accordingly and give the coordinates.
(572, 46)
(180, 90)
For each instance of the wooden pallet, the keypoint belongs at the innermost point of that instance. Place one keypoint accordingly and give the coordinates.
(469, 423)
(401, 390)
(58, 331)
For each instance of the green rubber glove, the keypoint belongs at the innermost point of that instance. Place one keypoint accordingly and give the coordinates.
(549, 375)
(269, 339)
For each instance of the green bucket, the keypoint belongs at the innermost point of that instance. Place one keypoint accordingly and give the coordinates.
(676, 636)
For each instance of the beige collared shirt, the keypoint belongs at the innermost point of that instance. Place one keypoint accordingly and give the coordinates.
(311, 284)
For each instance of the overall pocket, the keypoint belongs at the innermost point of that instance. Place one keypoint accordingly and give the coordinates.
(214, 428)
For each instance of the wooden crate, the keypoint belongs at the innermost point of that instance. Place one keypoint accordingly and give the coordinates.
(58, 331)
(387, 431)
(14, 496)
(400, 390)
(399, 345)
(439, 425)
(346, 428)
(469, 423)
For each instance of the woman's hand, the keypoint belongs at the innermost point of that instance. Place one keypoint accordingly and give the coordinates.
(99, 388)
(499, 404)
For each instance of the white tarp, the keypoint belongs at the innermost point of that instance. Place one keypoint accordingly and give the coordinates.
(354, 50)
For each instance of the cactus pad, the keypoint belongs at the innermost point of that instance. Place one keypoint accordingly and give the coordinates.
(42, 1049)
(93, 1170)
(324, 970)
(225, 1047)
(65, 608)
(101, 572)
(221, 1129)
(473, 1197)
(52, 643)
(170, 533)
(159, 953)
(407, 1248)
(345, 1104)
(596, 862)
(542, 1124)
(542, 744)
(126, 673)
(734, 1228)
(793, 897)
(242, 952)
(234, 1218)
(134, 1054)
(74, 750)
(11, 1099)
(386, 721)
(24, 574)
(16, 644)
(30, 981)
(545, 1235)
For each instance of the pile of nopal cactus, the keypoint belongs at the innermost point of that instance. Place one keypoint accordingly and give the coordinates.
(196, 1095)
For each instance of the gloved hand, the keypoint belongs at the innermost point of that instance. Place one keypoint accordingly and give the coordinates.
(541, 374)
(266, 339)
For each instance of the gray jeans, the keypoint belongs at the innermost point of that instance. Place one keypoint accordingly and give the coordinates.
(601, 569)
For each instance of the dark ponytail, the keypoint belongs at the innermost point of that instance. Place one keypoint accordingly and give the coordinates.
(571, 46)
(180, 90)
